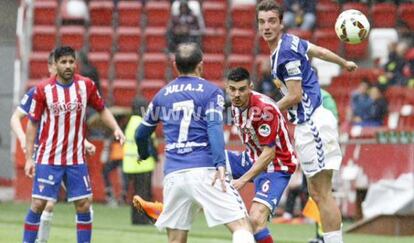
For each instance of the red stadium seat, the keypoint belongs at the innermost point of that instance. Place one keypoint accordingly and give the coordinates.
(214, 40)
(129, 39)
(326, 15)
(124, 92)
(129, 13)
(38, 65)
(363, 8)
(396, 98)
(242, 41)
(126, 65)
(101, 61)
(101, 12)
(262, 45)
(303, 34)
(45, 12)
(158, 13)
(155, 39)
(149, 88)
(215, 14)
(100, 38)
(213, 66)
(155, 65)
(406, 13)
(72, 36)
(359, 51)
(327, 38)
(383, 15)
(235, 60)
(104, 88)
(243, 16)
(43, 38)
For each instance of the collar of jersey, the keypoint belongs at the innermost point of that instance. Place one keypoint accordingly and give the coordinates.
(64, 85)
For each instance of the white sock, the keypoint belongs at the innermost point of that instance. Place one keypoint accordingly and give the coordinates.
(333, 236)
(243, 236)
(44, 227)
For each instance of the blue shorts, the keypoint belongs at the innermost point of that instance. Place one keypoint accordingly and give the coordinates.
(269, 187)
(48, 179)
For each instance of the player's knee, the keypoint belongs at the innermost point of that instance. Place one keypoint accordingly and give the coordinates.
(37, 205)
(83, 205)
(49, 206)
(258, 218)
(319, 195)
(243, 236)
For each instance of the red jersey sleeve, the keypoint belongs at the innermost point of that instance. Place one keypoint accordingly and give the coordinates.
(94, 97)
(38, 104)
(267, 126)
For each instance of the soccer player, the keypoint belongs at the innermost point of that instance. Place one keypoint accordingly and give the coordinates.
(15, 123)
(190, 109)
(316, 139)
(269, 159)
(58, 107)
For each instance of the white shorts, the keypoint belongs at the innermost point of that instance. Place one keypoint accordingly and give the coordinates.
(186, 192)
(316, 143)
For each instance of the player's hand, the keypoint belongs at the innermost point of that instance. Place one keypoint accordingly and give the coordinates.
(238, 183)
(90, 148)
(29, 168)
(119, 136)
(350, 66)
(221, 176)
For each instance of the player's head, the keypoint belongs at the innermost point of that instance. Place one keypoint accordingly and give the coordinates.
(269, 16)
(188, 59)
(65, 61)
(51, 63)
(239, 87)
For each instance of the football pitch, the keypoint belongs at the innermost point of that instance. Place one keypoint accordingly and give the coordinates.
(112, 225)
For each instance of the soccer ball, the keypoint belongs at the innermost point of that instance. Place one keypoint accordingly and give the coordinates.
(352, 26)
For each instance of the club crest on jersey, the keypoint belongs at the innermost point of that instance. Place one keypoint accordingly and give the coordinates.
(41, 187)
(264, 130)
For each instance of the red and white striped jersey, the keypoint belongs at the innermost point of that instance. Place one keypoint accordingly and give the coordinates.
(262, 124)
(61, 112)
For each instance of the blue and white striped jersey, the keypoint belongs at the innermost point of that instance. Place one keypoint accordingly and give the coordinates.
(290, 62)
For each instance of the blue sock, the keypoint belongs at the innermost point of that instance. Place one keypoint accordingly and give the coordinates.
(262, 234)
(84, 227)
(31, 226)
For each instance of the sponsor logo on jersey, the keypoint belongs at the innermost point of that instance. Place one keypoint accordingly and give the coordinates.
(264, 130)
(62, 107)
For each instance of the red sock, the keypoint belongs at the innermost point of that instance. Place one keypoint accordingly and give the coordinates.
(268, 239)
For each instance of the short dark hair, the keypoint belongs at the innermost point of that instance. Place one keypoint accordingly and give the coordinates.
(50, 59)
(64, 51)
(238, 74)
(269, 5)
(187, 57)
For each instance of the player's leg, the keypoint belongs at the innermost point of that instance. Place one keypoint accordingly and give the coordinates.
(319, 153)
(177, 236)
(80, 192)
(45, 222)
(220, 207)
(46, 185)
(320, 189)
(269, 189)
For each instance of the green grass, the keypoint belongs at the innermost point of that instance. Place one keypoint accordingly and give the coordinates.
(112, 225)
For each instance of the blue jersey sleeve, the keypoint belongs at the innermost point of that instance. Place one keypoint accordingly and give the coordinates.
(214, 115)
(292, 57)
(26, 101)
(152, 116)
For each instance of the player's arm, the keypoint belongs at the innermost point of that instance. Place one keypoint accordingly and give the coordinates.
(142, 139)
(109, 120)
(329, 56)
(293, 96)
(31, 132)
(259, 166)
(17, 128)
